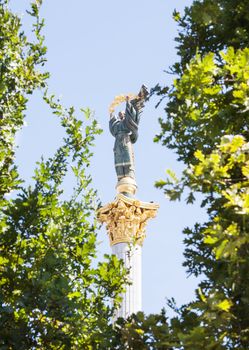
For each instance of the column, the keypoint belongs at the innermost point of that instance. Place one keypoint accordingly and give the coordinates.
(126, 220)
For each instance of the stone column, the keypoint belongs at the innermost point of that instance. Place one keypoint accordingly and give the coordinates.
(132, 298)
(126, 219)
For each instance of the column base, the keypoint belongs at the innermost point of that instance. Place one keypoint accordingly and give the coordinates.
(127, 186)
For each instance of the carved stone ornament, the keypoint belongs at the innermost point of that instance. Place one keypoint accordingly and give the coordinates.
(126, 219)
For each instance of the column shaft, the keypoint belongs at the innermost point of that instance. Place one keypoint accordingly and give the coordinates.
(132, 298)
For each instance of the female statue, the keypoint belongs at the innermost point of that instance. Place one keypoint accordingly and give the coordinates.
(125, 130)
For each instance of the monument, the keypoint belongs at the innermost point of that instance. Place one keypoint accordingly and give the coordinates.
(126, 217)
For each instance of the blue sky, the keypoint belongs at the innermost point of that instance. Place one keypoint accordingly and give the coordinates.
(97, 50)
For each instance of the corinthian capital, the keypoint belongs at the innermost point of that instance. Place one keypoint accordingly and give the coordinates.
(126, 219)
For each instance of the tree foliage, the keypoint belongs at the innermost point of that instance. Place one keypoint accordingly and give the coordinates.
(142, 332)
(53, 294)
(211, 26)
(206, 123)
(219, 248)
(210, 99)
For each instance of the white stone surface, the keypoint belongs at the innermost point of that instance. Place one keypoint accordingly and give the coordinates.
(132, 298)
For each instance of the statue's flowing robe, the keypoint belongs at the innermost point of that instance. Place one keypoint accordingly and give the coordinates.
(125, 132)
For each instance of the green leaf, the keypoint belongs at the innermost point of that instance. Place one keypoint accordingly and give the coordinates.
(225, 305)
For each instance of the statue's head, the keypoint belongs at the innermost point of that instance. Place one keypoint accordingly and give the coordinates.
(121, 115)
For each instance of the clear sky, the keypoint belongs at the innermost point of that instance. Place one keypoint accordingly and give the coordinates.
(97, 50)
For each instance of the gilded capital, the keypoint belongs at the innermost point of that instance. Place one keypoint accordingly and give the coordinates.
(126, 219)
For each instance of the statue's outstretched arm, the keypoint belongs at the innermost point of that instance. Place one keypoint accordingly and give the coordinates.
(138, 102)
